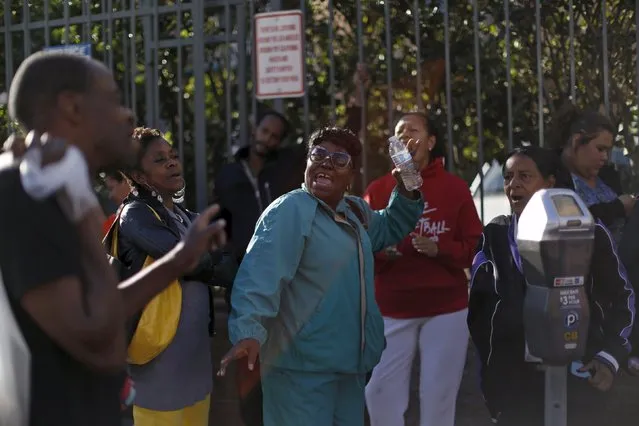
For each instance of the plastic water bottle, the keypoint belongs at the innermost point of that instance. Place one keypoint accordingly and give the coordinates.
(404, 162)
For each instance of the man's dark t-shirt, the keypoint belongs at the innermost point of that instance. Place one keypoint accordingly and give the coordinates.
(38, 245)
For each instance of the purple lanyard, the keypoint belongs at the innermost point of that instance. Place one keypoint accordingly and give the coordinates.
(513, 244)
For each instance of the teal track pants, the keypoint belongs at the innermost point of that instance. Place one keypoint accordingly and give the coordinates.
(298, 398)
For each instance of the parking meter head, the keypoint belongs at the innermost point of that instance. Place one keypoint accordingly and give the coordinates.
(555, 239)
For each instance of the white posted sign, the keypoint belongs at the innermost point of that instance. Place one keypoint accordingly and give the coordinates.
(279, 59)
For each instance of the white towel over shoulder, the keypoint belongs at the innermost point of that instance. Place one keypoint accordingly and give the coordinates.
(69, 175)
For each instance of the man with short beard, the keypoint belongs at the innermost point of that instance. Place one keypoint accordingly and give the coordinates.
(261, 172)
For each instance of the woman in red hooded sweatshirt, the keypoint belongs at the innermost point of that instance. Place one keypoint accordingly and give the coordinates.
(421, 288)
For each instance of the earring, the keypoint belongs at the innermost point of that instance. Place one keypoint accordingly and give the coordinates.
(135, 192)
(178, 197)
(157, 196)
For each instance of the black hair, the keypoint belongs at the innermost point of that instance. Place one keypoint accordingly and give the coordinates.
(40, 79)
(339, 136)
(144, 137)
(116, 175)
(432, 128)
(570, 121)
(547, 161)
(286, 126)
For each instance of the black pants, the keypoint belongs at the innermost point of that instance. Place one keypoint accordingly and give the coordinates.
(524, 403)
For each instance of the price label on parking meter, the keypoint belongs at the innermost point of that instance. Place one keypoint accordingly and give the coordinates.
(569, 298)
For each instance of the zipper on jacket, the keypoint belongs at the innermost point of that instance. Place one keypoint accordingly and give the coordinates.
(362, 281)
(492, 331)
(267, 188)
(255, 184)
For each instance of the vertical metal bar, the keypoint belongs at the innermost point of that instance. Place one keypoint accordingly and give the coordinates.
(449, 96)
(555, 396)
(331, 60)
(418, 55)
(253, 71)
(306, 104)
(360, 55)
(125, 56)
(571, 32)
(87, 25)
(390, 107)
(201, 186)
(103, 27)
(149, 73)
(180, 82)
(65, 40)
(241, 63)
(89, 22)
(134, 57)
(47, 35)
(227, 81)
(25, 29)
(540, 74)
(480, 124)
(509, 81)
(7, 45)
(278, 104)
(156, 64)
(109, 49)
(637, 44)
(604, 40)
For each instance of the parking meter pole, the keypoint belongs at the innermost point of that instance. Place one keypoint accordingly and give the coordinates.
(555, 396)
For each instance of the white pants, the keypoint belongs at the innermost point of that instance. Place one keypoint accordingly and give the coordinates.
(442, 343)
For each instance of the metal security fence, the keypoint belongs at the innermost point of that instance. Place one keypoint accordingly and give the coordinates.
(493, 72)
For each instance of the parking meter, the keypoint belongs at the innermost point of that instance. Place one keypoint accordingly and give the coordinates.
(555, 238)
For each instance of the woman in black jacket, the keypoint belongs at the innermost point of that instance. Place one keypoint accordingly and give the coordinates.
(584, 140)
(513, 387)
(175, 385)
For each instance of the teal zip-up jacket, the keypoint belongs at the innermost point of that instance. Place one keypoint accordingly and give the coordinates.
(298, 290)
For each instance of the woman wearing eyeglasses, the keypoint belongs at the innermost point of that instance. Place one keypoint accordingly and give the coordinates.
(304, 298)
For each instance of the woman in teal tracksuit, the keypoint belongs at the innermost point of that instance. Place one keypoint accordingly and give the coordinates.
(304, 297)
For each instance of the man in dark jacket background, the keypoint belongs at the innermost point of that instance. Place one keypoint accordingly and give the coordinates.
(261, 172)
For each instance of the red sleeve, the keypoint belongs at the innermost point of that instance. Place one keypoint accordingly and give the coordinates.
(107, 225)
(459, 251)
(376, 194)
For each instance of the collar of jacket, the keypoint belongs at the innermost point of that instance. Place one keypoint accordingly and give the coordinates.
(341, 206)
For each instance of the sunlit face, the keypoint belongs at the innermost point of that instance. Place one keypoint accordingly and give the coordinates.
(590, 158)
(414, 127)
(328, 174)
(161, 169)
(522, 179)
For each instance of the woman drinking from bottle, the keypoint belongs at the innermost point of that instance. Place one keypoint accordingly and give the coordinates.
(422, 290)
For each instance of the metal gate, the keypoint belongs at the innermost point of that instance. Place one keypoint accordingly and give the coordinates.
(157, 52)
(493, 71)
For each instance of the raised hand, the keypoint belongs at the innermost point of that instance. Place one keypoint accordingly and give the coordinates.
(204, 234)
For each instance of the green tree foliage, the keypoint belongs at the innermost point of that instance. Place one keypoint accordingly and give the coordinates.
(172, 87)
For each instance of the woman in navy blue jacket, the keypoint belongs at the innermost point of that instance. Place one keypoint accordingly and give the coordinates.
(513, 388)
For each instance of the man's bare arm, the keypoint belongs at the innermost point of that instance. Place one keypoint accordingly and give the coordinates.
(96, 336)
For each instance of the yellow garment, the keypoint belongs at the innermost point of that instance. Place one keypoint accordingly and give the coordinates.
(195, 415)
(158, 324)
(160, 318)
